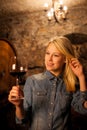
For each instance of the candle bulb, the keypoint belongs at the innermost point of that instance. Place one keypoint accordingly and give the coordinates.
(21, 68)
(13, 66)
(46, 6)
(65, 9)
(13, 63)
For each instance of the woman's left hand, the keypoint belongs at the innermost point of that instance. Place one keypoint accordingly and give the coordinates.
(76, 67)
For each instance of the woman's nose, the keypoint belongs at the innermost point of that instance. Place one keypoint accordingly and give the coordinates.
(50, 58)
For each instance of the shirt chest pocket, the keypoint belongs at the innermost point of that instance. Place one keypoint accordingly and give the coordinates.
(65, 102)
(39, 98)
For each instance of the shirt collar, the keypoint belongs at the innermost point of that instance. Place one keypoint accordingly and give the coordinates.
(51, 76)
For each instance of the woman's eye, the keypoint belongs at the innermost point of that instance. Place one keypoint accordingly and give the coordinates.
(47, 53)
(56, 55)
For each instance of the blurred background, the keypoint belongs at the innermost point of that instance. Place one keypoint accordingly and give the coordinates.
(25, 28)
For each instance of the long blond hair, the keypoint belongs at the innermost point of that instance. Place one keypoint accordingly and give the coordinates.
(63, 44)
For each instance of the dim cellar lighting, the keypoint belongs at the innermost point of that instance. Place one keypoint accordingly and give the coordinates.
(57, 10)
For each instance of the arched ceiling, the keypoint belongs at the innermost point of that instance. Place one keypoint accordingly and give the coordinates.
(33, 5)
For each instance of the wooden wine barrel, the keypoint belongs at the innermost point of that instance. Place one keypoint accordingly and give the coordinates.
(6, 52)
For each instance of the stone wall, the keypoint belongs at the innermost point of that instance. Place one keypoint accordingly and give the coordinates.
(29, 32)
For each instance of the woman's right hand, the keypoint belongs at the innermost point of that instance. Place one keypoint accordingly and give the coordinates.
(16, 96)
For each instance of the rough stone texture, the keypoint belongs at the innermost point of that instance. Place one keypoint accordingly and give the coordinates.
(28, 32)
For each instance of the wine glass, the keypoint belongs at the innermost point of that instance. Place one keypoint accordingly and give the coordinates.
(18, 73)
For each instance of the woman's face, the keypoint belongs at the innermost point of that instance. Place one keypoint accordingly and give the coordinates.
(54, 60)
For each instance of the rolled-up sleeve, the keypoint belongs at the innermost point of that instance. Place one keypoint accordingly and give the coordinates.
(26, 102)
(79, 98)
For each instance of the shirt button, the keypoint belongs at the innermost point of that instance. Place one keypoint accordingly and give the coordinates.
(49, 125)
(50, 113)
(38, 93)
(51, 103)
(54, 84)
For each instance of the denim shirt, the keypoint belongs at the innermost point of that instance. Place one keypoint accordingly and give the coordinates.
(48, 104)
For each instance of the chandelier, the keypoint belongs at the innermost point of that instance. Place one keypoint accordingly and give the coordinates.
(57, 10)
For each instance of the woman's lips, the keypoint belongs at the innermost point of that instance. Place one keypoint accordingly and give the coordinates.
(49, 64)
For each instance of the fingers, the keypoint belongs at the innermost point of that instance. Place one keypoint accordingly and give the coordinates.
(75, 62)
(14, 93)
